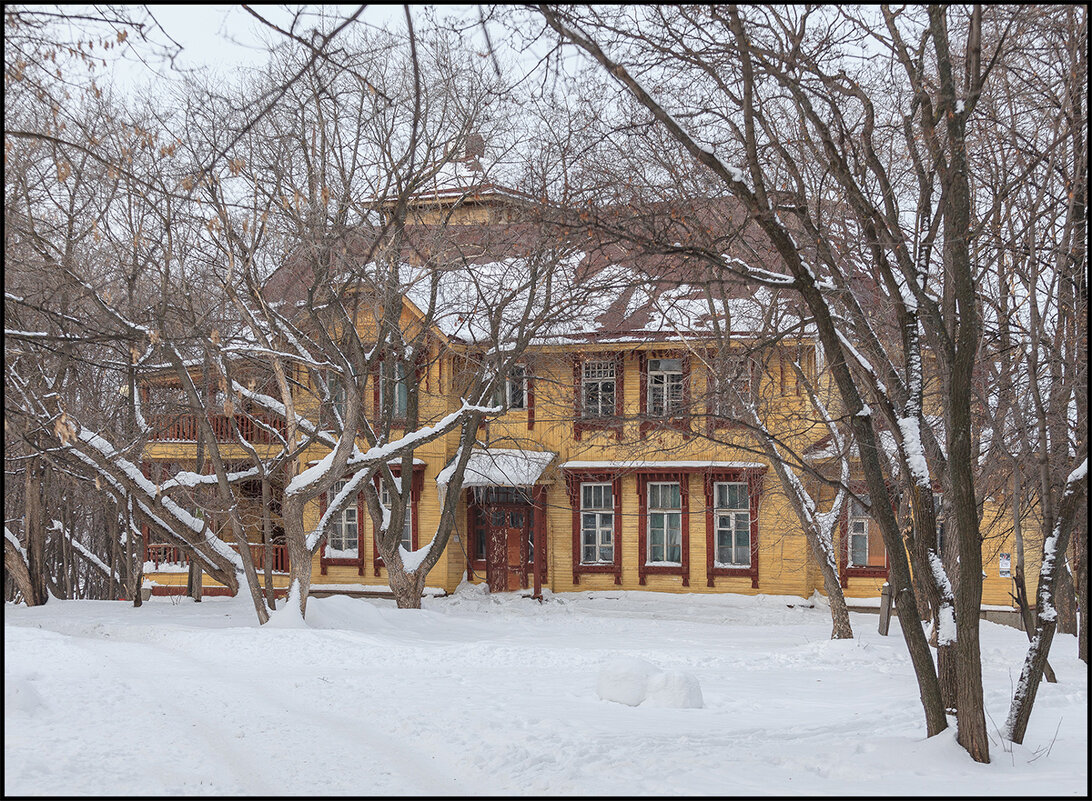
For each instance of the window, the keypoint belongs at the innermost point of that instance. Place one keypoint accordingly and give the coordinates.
(513, 392)
(597, 389)
(665, 387)
(664, 523)
(407, 524)
(338, 398)
(730, 379)
(865, 543)
(596, 524)
(395, 374)
(733, 525)
(342, 533)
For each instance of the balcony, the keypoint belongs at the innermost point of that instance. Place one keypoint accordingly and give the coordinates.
(163, 554)
(184, 428)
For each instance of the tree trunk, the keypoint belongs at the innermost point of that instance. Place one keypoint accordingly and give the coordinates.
(1065, 601)
(299, 556)
(267, 541)
(1082, 584)
(1045, 619)
(17, 568)
(193, 580)
(34, 532)
(1028, 617)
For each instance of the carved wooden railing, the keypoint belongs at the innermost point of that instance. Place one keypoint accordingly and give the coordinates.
(184, 427)
(160, 553)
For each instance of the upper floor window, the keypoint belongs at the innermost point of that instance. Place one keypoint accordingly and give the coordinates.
(664, 522)
(665, 387)
(865, 542)
(733, 524)
(338, 397)
(393, 376)
(596, 524)
(512, 393)
(342, 534)
(598, 388)
(406, 540)
(730, 380)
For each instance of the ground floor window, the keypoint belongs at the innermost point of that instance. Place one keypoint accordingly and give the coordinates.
(596, 524)
(865, 542)
(664, 522)
(342, 533)
(733, 524)
(407, 523)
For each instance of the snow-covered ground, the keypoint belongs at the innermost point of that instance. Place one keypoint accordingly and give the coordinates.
(479, 694)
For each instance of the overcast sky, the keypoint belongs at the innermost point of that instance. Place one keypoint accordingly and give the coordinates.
(225, 38)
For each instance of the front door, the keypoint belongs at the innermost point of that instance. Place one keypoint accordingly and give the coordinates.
(507, 551)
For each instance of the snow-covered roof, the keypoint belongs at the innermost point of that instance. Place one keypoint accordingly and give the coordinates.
(500, 467)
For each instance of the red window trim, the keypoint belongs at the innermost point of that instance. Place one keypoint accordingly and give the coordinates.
(753, 476)
(644, 570)
(573, 480)
(844, 570)
(580, 424)
(416, 486)
(679, 422)
(358, 563)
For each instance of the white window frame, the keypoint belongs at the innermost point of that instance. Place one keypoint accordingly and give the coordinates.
(407, 522)
(339, 526)
(598, 369)
(599, 535)
(856, 528)
(731, 520)
(666, 515)
(668, 385)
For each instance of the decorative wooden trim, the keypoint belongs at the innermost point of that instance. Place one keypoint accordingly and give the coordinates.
(845, 572)
(358, 563)
(573, 480)
(644, 569)
(473, 511)
(679, 422)
(580, 424)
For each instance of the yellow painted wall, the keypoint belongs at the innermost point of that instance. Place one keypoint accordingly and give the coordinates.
(785, 565)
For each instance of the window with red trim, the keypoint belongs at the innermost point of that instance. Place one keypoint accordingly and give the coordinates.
(597, 393)
(864, 542)
(596, 523)
(407, 540)
(343, 532)
(665, 390)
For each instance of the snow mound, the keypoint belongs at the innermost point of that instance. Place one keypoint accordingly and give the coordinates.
(633, 681)
(20, 696)
(675, 690)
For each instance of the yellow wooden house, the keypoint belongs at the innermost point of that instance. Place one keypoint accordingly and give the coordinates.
(611, 468)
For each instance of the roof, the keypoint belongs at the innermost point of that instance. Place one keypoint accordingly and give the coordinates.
(500, 467)
(619, 291)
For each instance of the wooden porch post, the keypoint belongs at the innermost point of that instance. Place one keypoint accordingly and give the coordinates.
(539, 506)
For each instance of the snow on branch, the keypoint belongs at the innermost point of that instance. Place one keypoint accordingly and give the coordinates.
(84, 552)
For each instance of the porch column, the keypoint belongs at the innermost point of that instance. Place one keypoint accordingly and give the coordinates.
(538, 500)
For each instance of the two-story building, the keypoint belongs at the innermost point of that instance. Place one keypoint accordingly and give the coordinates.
(615, 464)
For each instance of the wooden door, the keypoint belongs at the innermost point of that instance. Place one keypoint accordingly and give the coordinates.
(506, 553)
